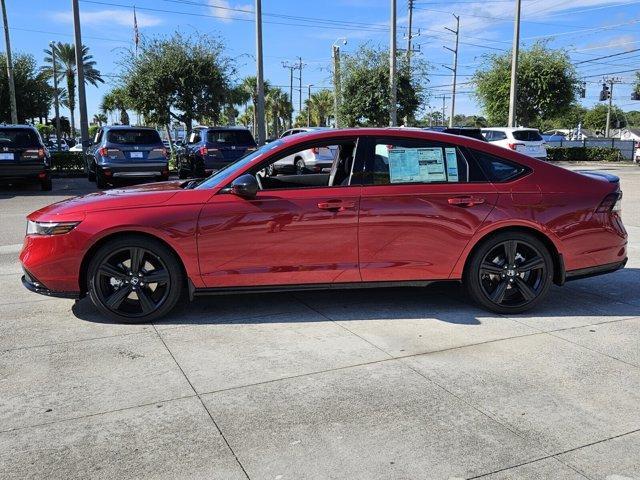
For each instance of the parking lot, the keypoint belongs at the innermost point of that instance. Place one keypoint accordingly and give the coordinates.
(410, 383)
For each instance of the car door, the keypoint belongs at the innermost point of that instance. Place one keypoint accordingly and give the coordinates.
(299, 229)
(421, 204)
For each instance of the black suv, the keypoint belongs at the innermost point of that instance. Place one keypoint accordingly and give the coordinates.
(126, 153)
(212, 148)
(23, 155)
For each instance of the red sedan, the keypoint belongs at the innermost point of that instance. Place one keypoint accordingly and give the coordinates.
(398, 206)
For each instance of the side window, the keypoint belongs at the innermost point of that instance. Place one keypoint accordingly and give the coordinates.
(195, 137)
(401, 161)
(488, 135)
(499, 136)
(498, 169)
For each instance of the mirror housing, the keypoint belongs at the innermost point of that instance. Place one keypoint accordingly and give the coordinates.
(245, 186)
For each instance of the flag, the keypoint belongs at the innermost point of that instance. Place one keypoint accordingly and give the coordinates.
(136, 32)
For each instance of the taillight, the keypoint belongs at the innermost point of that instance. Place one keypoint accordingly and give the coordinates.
(611, 203)
(203, 151)
(103, 151)
(315, 150)
(41, 153)
(514, 146)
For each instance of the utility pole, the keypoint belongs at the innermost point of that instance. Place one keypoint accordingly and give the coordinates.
(12, 87)
(291, 68)
(409, 35)
(455, 67)
(260, 128)
(513, 94)
(300, 66)
(309, 104)
(393, 120)
(337, 92)
(56, 103)
(611, 81)
(443, 108)
(82, 98)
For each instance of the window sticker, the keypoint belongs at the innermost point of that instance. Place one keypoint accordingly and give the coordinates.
(411, 165)
(452, 164)
(432, 167)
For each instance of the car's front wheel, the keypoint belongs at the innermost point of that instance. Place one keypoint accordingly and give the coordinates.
(134, 279)
(510, 272)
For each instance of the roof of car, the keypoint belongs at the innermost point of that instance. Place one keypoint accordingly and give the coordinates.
(126, 127)
(223, 127)
(3, 125)
(508, 129)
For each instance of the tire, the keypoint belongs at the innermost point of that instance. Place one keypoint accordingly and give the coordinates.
(492, 282)
(301, 169)
(46, 185)
(111, 284)
(101, 182)
(182, 174)
(91, 174)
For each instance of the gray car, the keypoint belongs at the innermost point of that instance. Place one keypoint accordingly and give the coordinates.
(126, 153)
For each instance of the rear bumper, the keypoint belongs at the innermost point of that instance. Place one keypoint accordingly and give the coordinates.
(21, 172)
(137, 170)
(595, 270)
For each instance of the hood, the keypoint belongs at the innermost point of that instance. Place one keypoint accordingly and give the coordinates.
(118, 198)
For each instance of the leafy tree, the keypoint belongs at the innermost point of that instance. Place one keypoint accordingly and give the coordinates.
(248, 89)
(66, 71)
(365, 89)
(469, 121)
(321, 105)
(247, 117)
(547, 85)
(33, 94)
(180, 77)
(117, 101)
(570, 118)
(45, 130)
(633, 118)
(100, 119)
(636, 88)
(277, 109)
(65, 125)
(596, 118)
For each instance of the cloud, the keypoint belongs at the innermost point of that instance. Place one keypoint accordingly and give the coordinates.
(227, 12)
(110, 16)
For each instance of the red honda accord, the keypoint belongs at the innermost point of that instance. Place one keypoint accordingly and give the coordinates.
(397, 207)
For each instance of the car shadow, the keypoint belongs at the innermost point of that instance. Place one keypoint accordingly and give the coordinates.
(445, 302)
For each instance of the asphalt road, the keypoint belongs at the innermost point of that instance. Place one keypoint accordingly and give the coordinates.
(371, 384)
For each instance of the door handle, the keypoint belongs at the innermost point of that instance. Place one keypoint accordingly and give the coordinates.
(465, 201)
(336, 205)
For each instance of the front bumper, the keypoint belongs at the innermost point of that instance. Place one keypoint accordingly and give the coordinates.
(35, 286)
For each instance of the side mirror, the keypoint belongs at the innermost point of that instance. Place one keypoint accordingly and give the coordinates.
(245, 186)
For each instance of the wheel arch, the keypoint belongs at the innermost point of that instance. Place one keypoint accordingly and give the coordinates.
(552, 246)
(84, 264)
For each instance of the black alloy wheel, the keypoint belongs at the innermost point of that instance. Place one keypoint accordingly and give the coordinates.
(135, 281)
(510, 273)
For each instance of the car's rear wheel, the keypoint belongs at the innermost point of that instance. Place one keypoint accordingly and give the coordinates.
(510, 272)
(101, 181)
(300, 167)
(45, 184)
(91, 174)
(134, 279)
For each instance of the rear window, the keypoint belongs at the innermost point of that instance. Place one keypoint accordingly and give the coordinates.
(230, 137)
(18, 138)
(133, 137)
(498, 169)
(527, 135)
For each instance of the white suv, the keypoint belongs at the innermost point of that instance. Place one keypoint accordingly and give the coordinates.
(313, 160)
(527, 141)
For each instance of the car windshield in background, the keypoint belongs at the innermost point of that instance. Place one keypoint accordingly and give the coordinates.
(527, 135)
(18, 137)
(230, 137)
(133, 137)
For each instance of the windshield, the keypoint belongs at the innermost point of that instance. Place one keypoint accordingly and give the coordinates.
(230, 137)
(133, 137)
(18, 137)
(229, 171)
(527, 135)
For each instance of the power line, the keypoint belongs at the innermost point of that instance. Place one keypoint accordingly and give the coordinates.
(608, 56)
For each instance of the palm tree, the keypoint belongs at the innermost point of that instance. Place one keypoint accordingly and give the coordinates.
(321, 106)
(278, 108)
(66, 70)
(99, 119)
(249, 86)
(117, 100)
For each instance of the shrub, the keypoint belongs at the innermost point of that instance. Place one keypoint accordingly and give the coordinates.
(67, 162)
(583, 154)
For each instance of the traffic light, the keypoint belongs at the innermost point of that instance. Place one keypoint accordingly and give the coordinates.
(605, 94)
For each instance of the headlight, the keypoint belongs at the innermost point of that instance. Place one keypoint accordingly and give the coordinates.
(49, 228)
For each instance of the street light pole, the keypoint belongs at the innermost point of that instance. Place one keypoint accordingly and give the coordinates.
(309, 104)
(260, 127)
(393, 114)
(56, 104)
(12, 87)
(513, 94)
(82, 98)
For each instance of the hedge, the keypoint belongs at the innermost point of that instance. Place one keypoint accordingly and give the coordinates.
(67, 162)
(583, 154)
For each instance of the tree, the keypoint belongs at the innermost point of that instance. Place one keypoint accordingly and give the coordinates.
(321, 105)
(365, 88)
(636, 88)
(469, 121)
(596, 118)
(250, 88)
(633, 118)
(277, 109)
(179, 77)
(66, 71)
(33, 94)
(65, 125)
(100, 119)
(547, 86)
(117, 101)
(247, 117)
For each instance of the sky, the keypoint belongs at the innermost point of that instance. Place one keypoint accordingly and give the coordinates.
(587, 29)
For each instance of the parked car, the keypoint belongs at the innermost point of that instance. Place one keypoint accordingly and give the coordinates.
(527, 141)
(212, 148)
(23, 156)
(399, 207)
(76, 148)
(52, 145)
(312, 160)
(126, 153)
(636, 156)
(470, 132)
